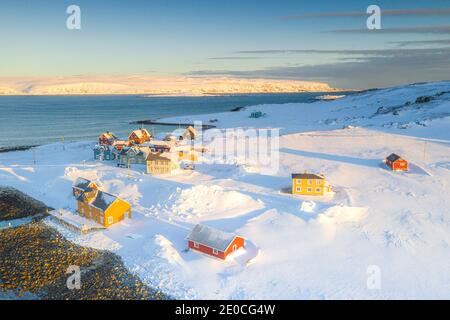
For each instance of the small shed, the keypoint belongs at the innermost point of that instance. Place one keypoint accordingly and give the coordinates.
(257, 114)
(397, 163)
(214, 242)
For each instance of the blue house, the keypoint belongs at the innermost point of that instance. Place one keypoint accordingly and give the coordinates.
(104, 152)
(132, 155)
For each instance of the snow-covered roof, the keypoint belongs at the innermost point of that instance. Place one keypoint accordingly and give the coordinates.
(394, 157)
(124, 151)
(160, 143)
(157, 156)
(211, 237)
(140, 133)
(306, 176)
(103, 200)
(103, 147)
(82, 183)
(108, 135)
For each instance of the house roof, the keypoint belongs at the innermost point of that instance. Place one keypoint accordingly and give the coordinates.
(81, 195)
(140, 133)
(160, 143)
(394, 157)
(82, 183)
(191, 130)
(120, 142)
(108, 135)
(103, 147)
(157, 156)
(124, 151)
(307, 176)
(210, 237)
(103, 200)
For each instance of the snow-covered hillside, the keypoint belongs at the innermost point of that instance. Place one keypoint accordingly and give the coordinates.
(423, 109)
(182, 86)
(297, 247)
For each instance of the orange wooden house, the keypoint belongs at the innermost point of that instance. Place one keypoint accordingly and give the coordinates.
(214, 242)
(396, 163)
(102, 207)
(81, 185)
(139, 136)
(107, 138)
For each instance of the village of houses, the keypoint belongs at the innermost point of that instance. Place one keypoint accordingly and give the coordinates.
(98, 210)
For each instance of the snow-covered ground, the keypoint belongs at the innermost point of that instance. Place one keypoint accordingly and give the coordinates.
(297, 247)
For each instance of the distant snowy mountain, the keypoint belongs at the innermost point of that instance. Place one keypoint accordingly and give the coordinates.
(195, 86)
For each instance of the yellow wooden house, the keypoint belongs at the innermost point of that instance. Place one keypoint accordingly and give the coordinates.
(309, 184)
(161, 163)
(190, 155)
(102, 207)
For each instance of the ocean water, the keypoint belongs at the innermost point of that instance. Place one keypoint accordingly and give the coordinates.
(36, 120)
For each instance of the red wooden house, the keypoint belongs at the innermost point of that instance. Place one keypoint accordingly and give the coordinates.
(397, 163)
(139, 136)
(107, 138)
(214, 242)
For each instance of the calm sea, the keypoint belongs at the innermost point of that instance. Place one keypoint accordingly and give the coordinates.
(35, 120)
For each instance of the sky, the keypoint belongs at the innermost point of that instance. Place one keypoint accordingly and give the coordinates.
(282, 39)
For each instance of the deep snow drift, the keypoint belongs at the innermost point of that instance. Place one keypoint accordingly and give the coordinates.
(298, 247)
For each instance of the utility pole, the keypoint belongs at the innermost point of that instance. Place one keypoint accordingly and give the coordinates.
(129, 173)
(34, 156)
(424, 151)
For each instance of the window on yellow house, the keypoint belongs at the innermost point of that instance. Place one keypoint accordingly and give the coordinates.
(309, 189)
(309, 181)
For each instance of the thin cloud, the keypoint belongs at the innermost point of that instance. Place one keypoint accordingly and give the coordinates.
(392, 12)
(235, 58)
(366, 52)
(360, 73)
(445, 29)
(421, 42)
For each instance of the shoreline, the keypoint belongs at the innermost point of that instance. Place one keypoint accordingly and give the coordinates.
(175, 95)
(162, 122)
(17, 148)
(171, 124)
(35, 258)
